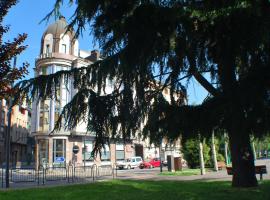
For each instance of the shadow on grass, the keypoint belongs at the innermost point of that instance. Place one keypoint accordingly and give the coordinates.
(142, 190)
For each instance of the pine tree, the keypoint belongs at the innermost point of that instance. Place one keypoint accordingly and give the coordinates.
(152, 45)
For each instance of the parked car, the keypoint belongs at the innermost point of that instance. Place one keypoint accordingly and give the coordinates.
(150, 164)
(129, 163)
(123, 164)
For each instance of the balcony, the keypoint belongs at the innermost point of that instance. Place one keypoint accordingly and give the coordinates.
(47, 56)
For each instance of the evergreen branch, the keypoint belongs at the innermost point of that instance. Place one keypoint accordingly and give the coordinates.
(74, 112)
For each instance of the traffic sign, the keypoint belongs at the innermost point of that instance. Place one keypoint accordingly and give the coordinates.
(59, 159)
(75, 149)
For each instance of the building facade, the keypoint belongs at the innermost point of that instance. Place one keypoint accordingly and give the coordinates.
(59, 51)
(3, 123)
(20, 152)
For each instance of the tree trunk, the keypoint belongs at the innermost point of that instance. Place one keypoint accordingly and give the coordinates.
(214, 154)
(242, 159)
(201, 159)
(226, 150)
(254, 150)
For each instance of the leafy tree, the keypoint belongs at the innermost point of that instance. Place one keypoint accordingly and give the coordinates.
(262, 146)
(150, 45)
(8, 51)
(191, 153)
(220, 153)
(190, 150)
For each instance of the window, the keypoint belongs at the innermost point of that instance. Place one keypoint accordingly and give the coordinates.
(44, 71)
(63, 96)
(59, 149)
(87, 150)
(3, 117)
(43, 151)
(44, 115)
(57, 105)
(56, 114)
(105, 153)
(47, 48)
(4, 102)
(2, 131)
(64, 48)
(119, 152)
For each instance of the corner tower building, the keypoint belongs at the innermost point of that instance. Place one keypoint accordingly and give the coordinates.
(59, 51)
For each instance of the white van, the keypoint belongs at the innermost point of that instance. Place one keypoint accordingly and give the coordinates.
(130, 163)
(135, 161)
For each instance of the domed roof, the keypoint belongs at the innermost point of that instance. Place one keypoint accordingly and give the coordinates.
(57, 28)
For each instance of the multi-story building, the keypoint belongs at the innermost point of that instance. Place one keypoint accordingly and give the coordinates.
(3, 123)
(60, 51)
(19, 133)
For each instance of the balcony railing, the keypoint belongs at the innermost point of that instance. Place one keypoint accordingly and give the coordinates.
(56, 55)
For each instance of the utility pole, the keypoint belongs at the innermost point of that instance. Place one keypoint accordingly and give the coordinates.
(10, 104)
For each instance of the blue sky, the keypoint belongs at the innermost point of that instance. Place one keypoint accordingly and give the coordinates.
(25, 17)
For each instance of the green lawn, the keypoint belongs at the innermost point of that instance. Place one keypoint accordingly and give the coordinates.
(142, 190)
(184, 172)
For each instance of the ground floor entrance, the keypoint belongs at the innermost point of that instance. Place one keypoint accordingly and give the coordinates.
(77, 150)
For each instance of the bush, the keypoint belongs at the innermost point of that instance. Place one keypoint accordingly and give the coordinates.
(191, 151)
(220, 157)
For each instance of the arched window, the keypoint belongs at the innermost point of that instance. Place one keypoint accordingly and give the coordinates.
(48, 43)
(76, 48)
(64, 44)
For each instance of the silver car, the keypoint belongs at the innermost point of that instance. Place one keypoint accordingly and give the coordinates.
(129, 163)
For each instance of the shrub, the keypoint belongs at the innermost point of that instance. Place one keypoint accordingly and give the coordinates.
(191, 152)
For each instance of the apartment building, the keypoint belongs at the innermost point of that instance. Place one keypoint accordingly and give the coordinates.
(19, 133)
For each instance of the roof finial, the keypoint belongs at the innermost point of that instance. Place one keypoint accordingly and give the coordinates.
(61, 17)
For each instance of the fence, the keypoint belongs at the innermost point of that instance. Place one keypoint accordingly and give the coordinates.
(2, 177)
(58, 174)
(22, 175)
(83, 173)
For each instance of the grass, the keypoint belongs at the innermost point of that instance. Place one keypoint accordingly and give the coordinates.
(142, 190)
(184, 172)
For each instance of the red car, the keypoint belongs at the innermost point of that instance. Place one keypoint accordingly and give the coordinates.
(151, 164)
